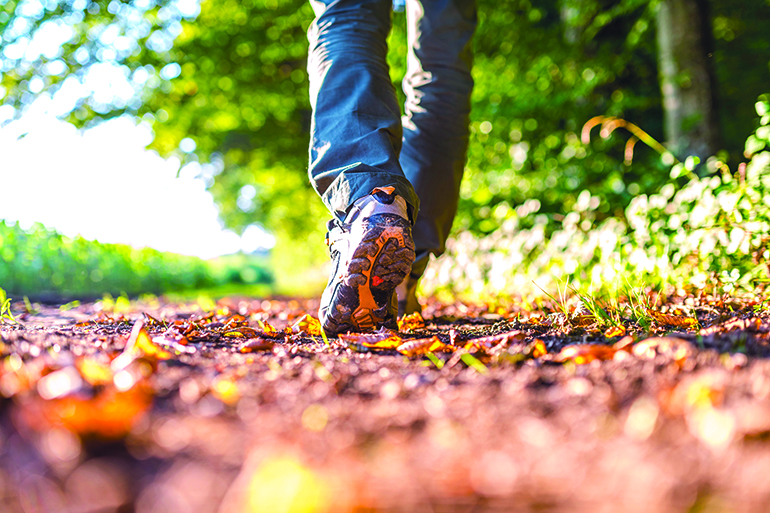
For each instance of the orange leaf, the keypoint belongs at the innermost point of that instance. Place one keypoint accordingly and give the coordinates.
(585, 353)
(109, 414)
(615, 331)
(538, 349)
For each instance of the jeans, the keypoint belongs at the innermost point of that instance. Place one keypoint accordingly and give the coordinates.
(360, 141)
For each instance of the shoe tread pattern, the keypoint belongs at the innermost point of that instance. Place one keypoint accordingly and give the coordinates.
(382, 259)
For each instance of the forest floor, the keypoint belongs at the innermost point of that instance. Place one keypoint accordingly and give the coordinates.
(164, 408)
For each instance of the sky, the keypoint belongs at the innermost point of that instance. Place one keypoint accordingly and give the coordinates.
(104, 185)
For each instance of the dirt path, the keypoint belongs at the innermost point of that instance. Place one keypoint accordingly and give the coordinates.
(164, 409)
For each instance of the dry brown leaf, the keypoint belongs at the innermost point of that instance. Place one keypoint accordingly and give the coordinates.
(486, 343)
(256, 344)
(583, 321)
(423, 346)
(673, 320)
(242, 332)
(753, 324)
(380, 339)
(411, 322)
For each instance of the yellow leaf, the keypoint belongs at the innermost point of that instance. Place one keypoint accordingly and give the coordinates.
(226, 390)
(411, 322)
(267, 328)
(147, 347)
(307, 324)
(93, 371)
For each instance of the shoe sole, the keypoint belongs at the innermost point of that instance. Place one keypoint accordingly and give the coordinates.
(379, 264)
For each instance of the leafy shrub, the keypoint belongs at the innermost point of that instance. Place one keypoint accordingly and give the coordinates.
(710, 232)
(42, 263)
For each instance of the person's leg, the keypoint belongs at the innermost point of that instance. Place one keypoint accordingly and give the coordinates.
(355, 142)
(356, 133)
(438, 87)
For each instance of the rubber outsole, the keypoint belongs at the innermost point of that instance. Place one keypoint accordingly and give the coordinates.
(363, 298)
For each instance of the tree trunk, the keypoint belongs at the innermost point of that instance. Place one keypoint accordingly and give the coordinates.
(687, 78)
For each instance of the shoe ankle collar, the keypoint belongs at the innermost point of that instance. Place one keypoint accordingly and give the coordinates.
(370, 205)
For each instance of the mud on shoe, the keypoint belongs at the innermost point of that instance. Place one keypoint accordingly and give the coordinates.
(372, 252)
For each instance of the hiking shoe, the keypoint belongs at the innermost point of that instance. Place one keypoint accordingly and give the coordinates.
(372, 252)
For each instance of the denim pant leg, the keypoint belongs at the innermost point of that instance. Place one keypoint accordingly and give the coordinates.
(438, 87)
(355, 135)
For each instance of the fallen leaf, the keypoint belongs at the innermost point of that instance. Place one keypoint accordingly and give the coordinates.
(487, 343)
(307, 324)
(257, 344)
(585, 353)
(144, 344)
(673, 320)
(537, 349)
(411, 322)
(753, 324)
(93, 371)
(108, 413)
(380, 339)
(615, 331)
(582, 321)
(422, 346)
(267, 328)
(242, 332)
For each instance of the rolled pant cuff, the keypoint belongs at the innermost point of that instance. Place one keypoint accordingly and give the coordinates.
(359, 181)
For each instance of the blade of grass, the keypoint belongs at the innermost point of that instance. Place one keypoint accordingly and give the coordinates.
(473, 362)
(435, 360)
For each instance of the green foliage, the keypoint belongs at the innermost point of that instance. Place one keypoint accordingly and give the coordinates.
(5, 308)
(42, 263)
(233, 86)
(226, 89)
